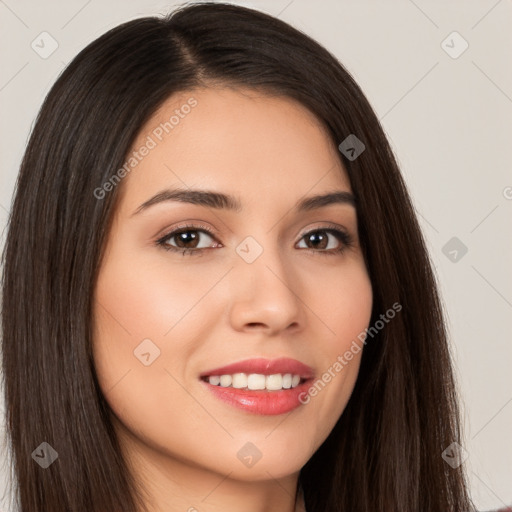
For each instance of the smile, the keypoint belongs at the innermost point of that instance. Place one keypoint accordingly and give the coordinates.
(260, 386)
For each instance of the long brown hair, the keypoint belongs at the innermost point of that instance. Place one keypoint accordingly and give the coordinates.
(384, 454)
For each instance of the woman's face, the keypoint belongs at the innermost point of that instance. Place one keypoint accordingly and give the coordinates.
(279, 276)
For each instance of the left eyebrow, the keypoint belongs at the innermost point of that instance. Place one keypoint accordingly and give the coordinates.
(313, 202)
(219, 200)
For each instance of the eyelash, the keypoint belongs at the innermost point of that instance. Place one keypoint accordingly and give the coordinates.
(344, 237)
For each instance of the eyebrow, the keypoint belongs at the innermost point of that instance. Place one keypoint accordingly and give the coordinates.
(219, 200)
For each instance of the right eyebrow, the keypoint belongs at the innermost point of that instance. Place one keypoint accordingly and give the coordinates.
(194, 196)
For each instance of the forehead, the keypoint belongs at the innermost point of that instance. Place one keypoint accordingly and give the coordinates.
(240, 141)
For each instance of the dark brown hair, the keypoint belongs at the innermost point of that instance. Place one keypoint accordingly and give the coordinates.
(384, 454)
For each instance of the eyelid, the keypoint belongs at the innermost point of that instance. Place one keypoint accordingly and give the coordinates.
(192, 225)
(326, 226)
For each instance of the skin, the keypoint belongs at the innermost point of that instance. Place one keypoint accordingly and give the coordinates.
(208, 310)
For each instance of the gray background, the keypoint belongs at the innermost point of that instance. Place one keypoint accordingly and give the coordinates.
(448, 120)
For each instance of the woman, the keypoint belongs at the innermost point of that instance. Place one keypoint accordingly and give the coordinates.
(216, 293)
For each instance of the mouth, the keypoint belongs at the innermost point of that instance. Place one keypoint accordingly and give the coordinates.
(260, 386)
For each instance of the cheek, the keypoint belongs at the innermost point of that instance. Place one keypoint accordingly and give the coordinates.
(345, 308)
(143, 298)
(145, 328)
(342, 301)
(140, 313)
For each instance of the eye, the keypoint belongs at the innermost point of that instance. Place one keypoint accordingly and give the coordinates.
(188, 240)
(326, 240)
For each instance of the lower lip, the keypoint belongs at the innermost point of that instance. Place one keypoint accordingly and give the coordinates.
(261, 401)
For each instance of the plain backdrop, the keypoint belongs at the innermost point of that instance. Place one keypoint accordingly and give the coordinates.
(447, 111)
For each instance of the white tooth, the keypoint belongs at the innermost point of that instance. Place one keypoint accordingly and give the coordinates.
(214, 380)
(287, 381)
(256, 381)
(225, 380)
(239, 380)
(295, 381)
(274, 382)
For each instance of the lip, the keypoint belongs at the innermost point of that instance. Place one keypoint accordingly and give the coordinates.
(264, 367)
(262, 402)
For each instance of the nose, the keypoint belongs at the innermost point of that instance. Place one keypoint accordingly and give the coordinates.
(266, 296)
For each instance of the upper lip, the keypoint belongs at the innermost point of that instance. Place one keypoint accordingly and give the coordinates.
(264, 366)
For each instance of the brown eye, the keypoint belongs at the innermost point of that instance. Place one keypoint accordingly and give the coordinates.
(326, 240)
(188, 240)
